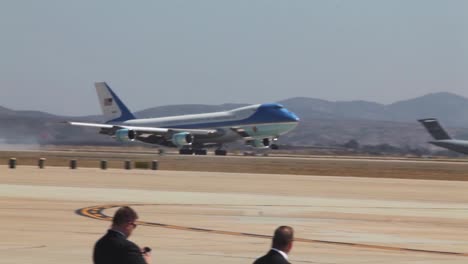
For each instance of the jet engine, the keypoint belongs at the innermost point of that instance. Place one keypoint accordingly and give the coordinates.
(123, 135)
(182, 139)
(259, 143)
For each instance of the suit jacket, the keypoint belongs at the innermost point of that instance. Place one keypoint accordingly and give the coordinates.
(114, 248)
(272, 257)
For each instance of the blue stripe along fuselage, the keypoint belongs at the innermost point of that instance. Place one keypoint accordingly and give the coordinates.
(265, 114)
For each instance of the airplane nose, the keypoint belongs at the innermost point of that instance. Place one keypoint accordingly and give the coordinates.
(294, 117)
(287, 115)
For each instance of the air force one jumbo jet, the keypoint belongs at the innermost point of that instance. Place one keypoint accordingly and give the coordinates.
(441, 138)
(258, 125)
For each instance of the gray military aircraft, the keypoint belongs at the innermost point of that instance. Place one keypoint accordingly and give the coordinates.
(441, 138)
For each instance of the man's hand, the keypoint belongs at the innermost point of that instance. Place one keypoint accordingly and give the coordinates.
(146, 251)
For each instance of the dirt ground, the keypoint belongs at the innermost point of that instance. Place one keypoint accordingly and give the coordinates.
(381, 167)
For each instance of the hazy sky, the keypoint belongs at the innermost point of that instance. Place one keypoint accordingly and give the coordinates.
(157, 53)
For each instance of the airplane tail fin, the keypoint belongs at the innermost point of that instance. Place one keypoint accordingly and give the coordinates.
(112, 107)
(434, 128)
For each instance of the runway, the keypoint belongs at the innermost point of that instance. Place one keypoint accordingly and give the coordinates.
(212, 217)
(96, 212)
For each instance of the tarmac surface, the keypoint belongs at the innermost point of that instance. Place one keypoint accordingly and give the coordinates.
(56, 214)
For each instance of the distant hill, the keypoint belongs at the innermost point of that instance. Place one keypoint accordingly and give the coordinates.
(34, 114)
(310, 108)
(451, 109)
(322, 123)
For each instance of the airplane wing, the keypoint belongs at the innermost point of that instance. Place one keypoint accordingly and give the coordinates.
(142, 131)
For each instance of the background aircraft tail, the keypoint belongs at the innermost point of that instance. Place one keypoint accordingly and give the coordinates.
(436, 130)
(112, 107)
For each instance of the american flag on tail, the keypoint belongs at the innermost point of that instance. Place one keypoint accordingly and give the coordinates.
(108, 101)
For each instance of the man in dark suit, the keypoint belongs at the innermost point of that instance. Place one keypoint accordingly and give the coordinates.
(114, 248)
(281, 246)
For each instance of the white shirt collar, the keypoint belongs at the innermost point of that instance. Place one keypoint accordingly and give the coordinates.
(285, 256)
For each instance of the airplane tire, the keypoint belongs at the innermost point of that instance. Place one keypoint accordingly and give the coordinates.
(200, 152)
(220, 152)
(274, 146)
(185, 151)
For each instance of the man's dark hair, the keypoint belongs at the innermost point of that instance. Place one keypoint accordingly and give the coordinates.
(124, 215)
(283, 237)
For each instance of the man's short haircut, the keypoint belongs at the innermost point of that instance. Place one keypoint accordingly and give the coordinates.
(283, 236)
(124, 215)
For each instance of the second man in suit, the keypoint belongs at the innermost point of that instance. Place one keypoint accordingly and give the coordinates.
(281, 246)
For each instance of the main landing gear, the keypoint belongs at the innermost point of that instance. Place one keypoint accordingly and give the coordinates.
(185, 151)
(200, 151)
(189, 151)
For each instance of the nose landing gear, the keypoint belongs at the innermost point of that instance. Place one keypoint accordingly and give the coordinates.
(220, 152)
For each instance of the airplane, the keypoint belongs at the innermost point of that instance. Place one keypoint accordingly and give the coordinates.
(258, 126)
(441, 138)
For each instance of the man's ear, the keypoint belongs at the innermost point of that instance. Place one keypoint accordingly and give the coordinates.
(289, 247)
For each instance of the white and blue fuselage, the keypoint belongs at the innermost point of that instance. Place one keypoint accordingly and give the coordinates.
(258, 125)
(257, 121)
